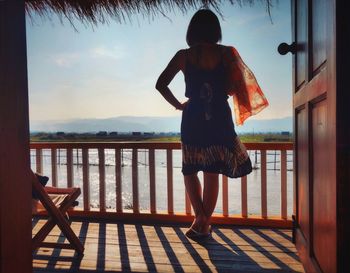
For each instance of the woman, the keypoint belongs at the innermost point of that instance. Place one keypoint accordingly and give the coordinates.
(209, 141)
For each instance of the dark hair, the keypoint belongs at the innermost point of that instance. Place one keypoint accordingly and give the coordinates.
(204, 27)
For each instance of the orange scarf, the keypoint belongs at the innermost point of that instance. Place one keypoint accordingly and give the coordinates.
(248, 98)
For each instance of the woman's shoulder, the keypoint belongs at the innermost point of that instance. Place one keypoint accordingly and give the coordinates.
(180, 55)
(228, 49)
(179, 59)
(225, 47)
(229, 54)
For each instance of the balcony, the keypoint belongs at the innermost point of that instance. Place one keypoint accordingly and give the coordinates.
(134, 211)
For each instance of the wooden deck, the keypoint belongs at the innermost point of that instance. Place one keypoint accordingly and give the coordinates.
(121, 247)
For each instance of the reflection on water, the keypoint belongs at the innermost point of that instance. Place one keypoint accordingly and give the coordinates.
(253, 184)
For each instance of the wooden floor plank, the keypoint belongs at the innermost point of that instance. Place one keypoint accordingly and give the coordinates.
(257, 240)
(118, 247)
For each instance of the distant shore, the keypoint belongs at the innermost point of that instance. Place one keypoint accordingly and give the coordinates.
(153, 137)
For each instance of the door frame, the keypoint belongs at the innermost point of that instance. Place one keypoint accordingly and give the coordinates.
(15, 186)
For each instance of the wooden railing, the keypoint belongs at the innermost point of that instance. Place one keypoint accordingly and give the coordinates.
(153, 214)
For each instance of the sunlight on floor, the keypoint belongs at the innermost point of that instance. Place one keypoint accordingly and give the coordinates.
(122, 247)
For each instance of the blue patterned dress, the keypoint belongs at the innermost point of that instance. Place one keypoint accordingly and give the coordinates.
(209, 140)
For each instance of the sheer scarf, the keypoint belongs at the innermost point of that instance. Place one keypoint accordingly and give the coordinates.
(248, 98)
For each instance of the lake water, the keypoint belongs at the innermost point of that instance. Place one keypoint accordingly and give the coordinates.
(234, 185)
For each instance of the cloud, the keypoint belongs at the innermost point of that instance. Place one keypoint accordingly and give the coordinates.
(66, 59)
(114, 53)
(246, 20)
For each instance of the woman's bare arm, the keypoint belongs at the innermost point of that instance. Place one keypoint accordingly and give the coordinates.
(175, 65)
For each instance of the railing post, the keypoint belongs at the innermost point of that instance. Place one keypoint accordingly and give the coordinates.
(54, 167)
(69, 162)
(102, 178)
(152, 180)
(39, 160)
(263, 185)
(244, 197)
(118, 181)
(224, 195)
(135, 181)
(86, 186)
(284, 184)
(169, 163)
(77, 157)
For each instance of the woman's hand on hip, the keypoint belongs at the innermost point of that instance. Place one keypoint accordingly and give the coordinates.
(182, 106)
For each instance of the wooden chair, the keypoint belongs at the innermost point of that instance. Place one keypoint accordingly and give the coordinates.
(56, 201)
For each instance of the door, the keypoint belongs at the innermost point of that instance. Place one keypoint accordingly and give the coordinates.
(314, 89)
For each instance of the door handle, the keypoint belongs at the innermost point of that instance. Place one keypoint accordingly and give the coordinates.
(284, 48)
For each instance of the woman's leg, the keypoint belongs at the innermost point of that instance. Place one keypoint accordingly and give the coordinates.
(194, 191)
(210, 193)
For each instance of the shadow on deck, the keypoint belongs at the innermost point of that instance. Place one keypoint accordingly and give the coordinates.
(120, 247)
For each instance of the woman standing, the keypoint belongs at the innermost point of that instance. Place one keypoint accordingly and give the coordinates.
(209, 141)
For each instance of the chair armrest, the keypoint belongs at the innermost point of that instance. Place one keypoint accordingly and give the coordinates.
(54, 190)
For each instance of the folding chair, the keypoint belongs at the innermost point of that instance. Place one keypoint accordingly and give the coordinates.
(56, 201)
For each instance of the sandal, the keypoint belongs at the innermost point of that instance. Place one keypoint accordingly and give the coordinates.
(194, 234)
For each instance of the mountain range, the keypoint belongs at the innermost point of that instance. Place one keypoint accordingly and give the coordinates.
(149, 124)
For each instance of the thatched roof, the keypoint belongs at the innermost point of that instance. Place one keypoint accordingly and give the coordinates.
(94, 11)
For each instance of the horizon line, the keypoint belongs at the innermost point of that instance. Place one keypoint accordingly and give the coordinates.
(129, 116)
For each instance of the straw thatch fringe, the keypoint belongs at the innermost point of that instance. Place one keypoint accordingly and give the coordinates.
(99, 11)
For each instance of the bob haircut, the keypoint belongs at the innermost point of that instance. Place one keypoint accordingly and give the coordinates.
(204, 27)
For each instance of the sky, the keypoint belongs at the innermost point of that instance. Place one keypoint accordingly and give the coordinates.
(110, 70)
